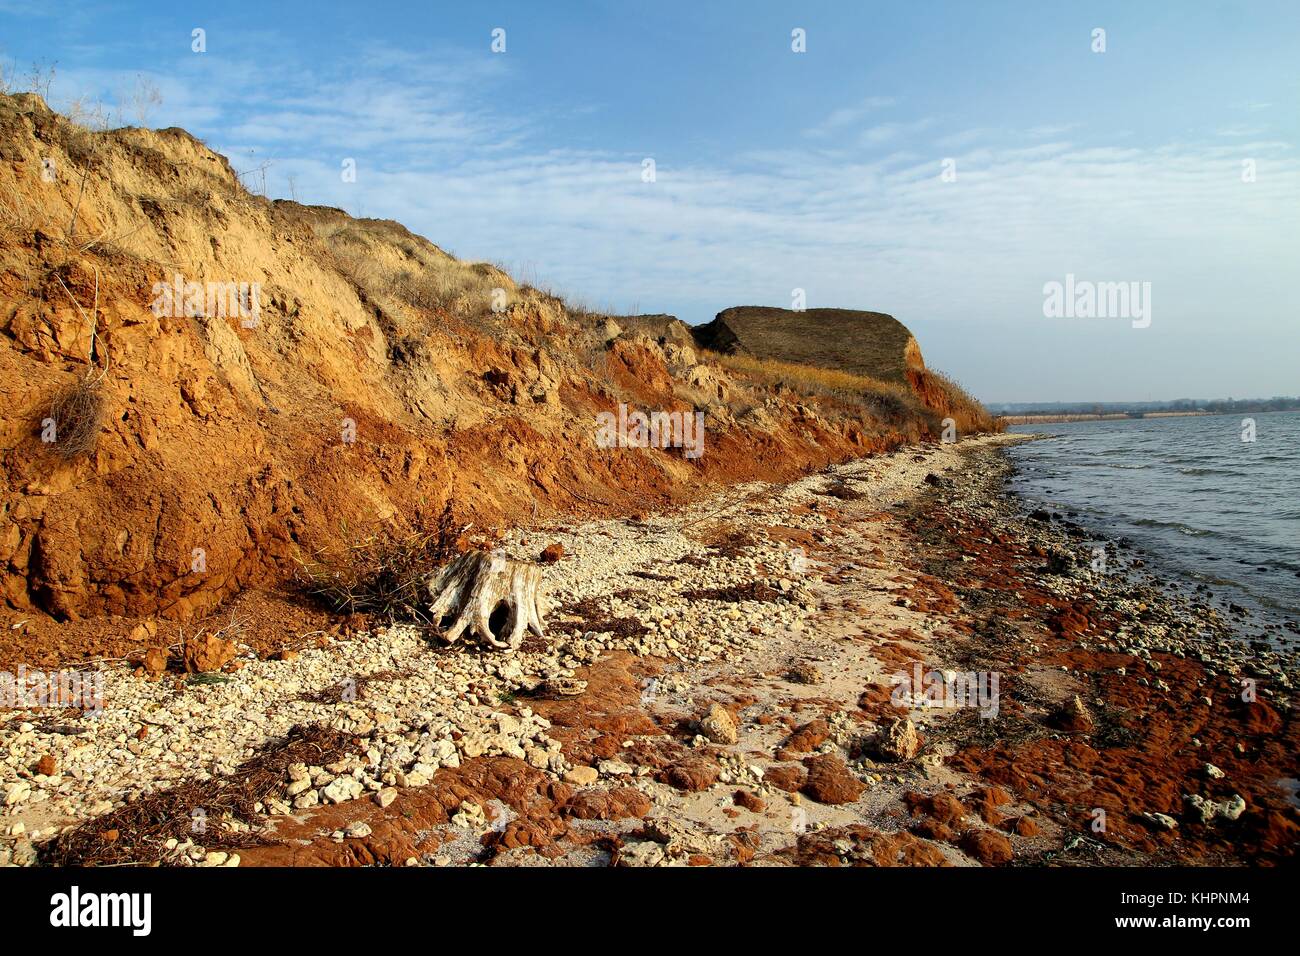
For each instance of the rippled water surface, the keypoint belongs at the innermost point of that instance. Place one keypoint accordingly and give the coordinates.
(1204, 504)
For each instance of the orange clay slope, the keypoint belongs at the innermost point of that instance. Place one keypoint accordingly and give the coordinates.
(163, 450)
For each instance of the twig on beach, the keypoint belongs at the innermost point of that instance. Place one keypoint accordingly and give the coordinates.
(730, 504)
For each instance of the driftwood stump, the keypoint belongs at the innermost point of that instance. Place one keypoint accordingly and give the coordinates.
(495, 599)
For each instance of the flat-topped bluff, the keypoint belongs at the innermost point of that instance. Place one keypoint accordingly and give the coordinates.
(164, 447)
(861, 343)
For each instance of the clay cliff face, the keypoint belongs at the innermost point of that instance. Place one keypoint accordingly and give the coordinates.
(264, 381)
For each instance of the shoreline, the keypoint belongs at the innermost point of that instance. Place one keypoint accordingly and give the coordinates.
(1215, 584)
(1179, 741)
(737, 708)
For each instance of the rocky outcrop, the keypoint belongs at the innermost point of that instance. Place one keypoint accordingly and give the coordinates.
(863, 343)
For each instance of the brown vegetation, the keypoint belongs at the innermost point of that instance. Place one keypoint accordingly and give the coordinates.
(946, 398)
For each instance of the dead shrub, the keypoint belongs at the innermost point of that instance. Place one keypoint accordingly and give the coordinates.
(383, 575)
(968, 410)
(888, 407)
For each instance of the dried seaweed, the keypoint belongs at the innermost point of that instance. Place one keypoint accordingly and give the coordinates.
(353, 688)
(596, 618)
(735, 593)
(842, 491)
(733, 544)
(651, 576)
(138, 832)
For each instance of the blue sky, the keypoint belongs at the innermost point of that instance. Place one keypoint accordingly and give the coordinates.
(778, 170)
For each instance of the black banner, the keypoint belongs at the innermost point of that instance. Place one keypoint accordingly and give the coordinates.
(151, 904)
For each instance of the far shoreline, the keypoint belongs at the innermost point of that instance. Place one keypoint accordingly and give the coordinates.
(1048, 419)
(1095, 417)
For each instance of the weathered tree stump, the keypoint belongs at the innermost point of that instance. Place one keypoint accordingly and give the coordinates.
(492, 598)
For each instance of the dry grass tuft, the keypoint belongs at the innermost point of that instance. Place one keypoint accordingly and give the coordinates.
(18, 218)
(459, 289)
(889, 402)
(932, 395)
(807, 378)
(78, 412)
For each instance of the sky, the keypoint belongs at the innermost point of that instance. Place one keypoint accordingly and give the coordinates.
(943, 162)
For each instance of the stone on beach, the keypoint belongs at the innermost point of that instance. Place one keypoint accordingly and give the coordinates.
(719, 726)
(897, 741)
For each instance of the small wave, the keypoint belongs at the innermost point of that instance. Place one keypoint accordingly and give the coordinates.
(1177, 526)
(1199, 472)
(1116, 465)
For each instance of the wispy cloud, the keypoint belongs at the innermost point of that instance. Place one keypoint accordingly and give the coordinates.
(852, 228)
(889, 132)
(1239, 131)
(849, 116)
